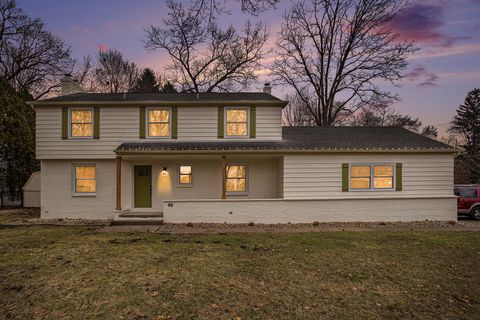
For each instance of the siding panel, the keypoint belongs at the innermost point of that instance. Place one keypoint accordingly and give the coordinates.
(319, 176)
(121, 124)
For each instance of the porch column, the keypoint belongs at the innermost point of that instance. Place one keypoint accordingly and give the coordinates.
(224, 179)
(118, 183)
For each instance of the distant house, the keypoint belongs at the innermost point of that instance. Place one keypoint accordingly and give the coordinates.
(224, 157)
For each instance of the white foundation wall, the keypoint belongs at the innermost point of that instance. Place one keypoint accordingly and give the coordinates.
(308, 211)
(57, 200)
(311, 176)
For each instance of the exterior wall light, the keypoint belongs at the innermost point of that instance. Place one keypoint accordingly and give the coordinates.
(164, 171)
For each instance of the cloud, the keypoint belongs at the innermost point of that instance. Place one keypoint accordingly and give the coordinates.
(422, 23)
(422, 76)
(102, 47)
(446, 52)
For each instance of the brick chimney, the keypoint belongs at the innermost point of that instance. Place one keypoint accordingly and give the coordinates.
(69, 85)
(267, 88)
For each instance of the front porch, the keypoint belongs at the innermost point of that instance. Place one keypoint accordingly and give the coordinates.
(147, 184)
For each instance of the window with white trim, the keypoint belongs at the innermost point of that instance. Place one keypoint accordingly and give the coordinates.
(236, 178)
(185, 175)
(85, 179)
(371, 177)
(81, 123)
(236, 122)
(158, 122)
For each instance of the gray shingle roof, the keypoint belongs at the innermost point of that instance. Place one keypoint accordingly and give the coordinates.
(306, 138)
(187, 97)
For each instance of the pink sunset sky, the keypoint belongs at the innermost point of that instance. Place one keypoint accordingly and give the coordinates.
(438, 78)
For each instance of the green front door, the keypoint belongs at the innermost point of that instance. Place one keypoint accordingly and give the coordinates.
(143, 187)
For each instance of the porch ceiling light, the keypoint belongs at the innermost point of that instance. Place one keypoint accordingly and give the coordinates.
(164, 171)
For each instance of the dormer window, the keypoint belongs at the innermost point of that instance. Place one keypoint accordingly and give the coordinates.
(236, 122)
(158, 122)
(81, 123)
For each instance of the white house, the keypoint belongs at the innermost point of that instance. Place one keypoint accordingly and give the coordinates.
(224, 157)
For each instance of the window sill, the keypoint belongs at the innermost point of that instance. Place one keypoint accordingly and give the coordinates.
(84, 195)
(185, 185)
(236, 193)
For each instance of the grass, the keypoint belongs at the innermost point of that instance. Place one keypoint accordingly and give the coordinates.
(78, 273)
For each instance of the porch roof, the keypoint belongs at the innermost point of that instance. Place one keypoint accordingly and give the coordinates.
(301, 139)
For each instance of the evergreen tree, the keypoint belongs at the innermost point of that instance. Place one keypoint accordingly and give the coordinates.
(17, 138)
(147, 82)
(467, 122)
(168, 87)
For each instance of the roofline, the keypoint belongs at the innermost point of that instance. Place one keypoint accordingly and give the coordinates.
(282, 151)
(183, 103)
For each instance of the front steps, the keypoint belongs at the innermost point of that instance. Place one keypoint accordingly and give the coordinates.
(137, 217)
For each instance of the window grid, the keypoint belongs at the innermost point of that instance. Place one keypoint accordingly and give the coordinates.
(236, 178)
(185, 175)
(88, 188)
(232, 123)
(76, 123)
(158, 123)
(371, 177)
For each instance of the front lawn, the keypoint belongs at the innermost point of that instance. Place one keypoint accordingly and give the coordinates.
(77, 273)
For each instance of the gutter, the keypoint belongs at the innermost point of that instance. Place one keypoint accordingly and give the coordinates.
(184, 103)
(280, 151)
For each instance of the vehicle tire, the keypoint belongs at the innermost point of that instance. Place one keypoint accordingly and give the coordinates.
(475, 213)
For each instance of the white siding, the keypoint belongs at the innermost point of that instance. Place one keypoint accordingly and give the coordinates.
(320, 176)
(269, 123)
(121, 124)
(117, 125)
(308, 211)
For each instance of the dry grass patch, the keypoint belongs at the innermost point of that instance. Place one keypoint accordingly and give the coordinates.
(77, 273)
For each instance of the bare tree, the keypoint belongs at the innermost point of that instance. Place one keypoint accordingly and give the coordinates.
(31, 58)
(295, 113)
(381, 114)
(211, 8)
(333, 53)
(204, 56)
(113, 73)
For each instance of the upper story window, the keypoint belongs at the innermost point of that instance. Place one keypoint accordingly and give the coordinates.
(81, 123)
(158, 122)
(85, 179)
(236, 122)
(371, 177)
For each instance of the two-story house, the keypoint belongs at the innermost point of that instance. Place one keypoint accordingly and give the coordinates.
(224, 157)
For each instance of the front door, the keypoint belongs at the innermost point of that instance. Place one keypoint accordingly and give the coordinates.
(143, 187)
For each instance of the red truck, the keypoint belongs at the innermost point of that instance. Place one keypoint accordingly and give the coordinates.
(468, 201)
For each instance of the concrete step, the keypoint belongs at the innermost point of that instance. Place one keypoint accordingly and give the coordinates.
(131, 217)
(137, 222)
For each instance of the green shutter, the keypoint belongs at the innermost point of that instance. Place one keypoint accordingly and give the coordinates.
(65, 123)
(398, 177)
(220, 122)
(253, 122)
(142, 123)
(174, 122)
(344, 177)
(96, 123)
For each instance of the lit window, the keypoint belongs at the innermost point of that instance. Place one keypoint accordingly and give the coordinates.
(158, 122)
(382, 177)
(85, 179)
(236, 122)
(81, 123)
(185, 175)
(371, 177)
(360, 177)
(236, 176)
